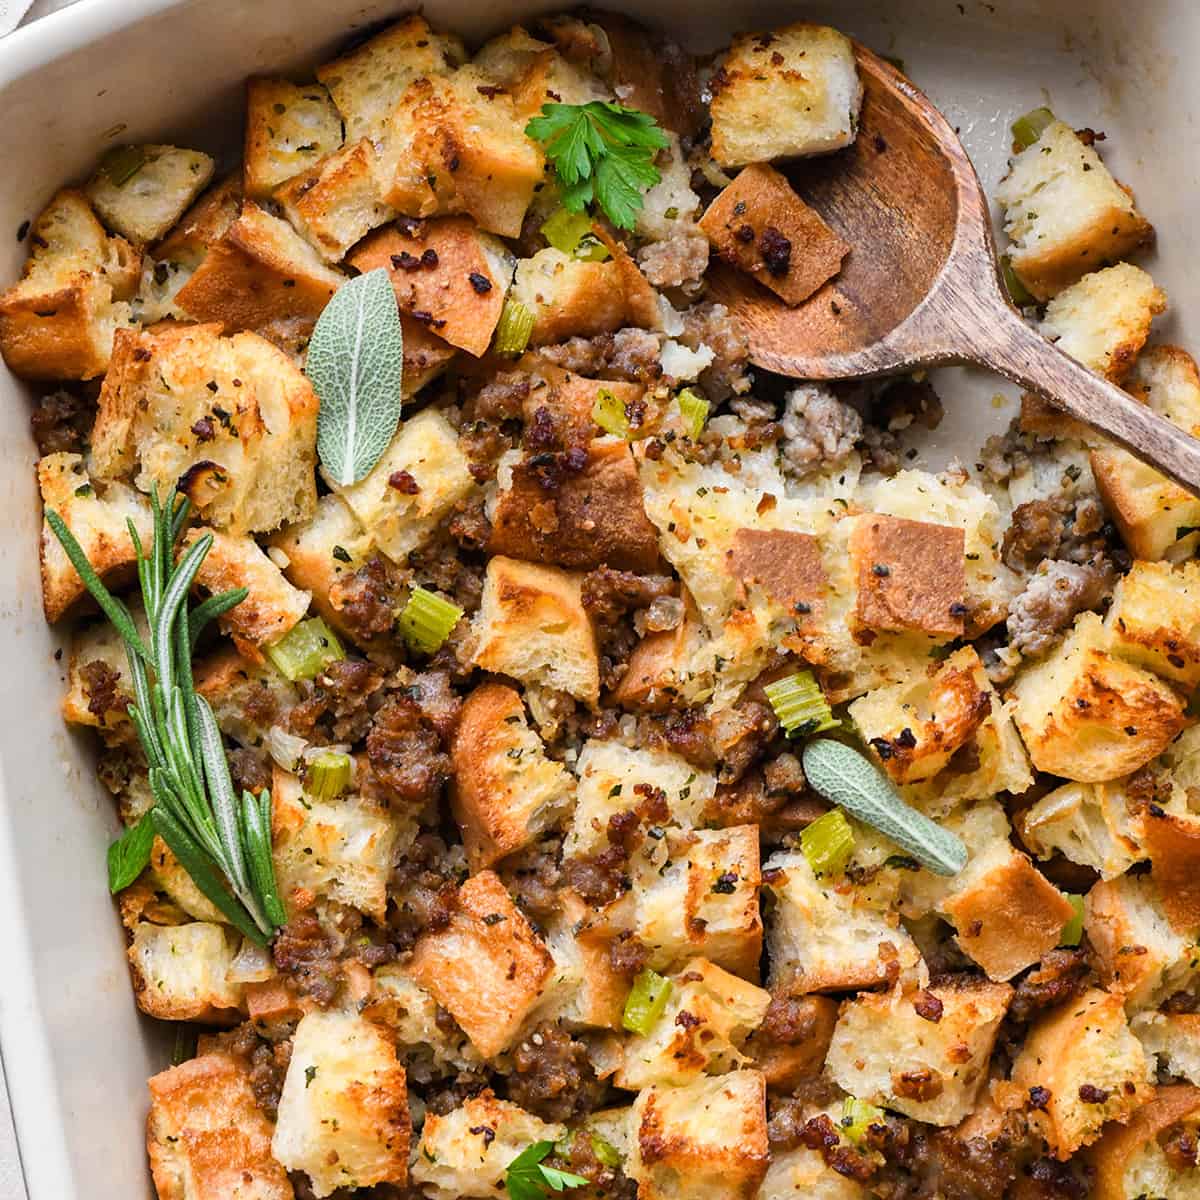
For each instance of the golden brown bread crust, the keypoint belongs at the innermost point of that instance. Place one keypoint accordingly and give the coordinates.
(787, 565)
(592, 518)
(746, 222)
(1111, 1155)
(1173, 844)
(438, 267)
(204, 223)
(53, 335)
(426, 355)
(911, 575)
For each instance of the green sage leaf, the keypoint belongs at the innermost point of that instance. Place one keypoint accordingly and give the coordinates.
(355, 363)
(845, 778)
(129, 855)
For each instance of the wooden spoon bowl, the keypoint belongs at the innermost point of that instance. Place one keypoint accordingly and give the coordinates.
(921, 286)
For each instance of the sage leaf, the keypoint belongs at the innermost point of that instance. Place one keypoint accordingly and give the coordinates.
(355, 363)
(845, 778)
(129, 855)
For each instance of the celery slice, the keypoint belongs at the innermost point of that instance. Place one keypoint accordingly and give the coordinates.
(514, 328)
(305, 650)
(571, 233)
(1017, 291)
(828, 843)
(328, 775)
(1028, 129)
(427, 620)
(646, 1001)
(1072, 931)
(857, 1117)
(609, 413)
(800, 705)
(694, 410)
(122, 163)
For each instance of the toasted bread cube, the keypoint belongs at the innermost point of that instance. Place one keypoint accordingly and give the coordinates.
(570, 297)
(411, 1013)
(337, 201)
(656, 676)
(367, 82)
(614, 778)
(595, 517)
(99, 689)
(273, 605)
(180, 972)
(1174, 1038)
(1103, 321)
(1172, 841)
(344, 849)
(426, 447)
(1093, 1069)
(507, 792)
(343, 1113)
(736, 224)
(259, 275)
(1008, 915)
(722, 1012)
(532, 625)
(785, 1064)
(1129, 1160)
(98, 516)
(570, 399)
(803, 1174)
(703, 900)
(144, 205)
(1154, 620)
(1088, 716)
(447, 270)
(585, 991)
(915, 728)
(466, 1152)
(885, 1052)
(823, 935)
(207, 1136)
(911, 575)
(290, 127)
(1065, 214)
(487, 968)
(246, 697)
(534, 73)
(704, 1141)
(58, 321)
(171, 877)
(426, 356)
(204, 223)
(786, 94)
(1143, 959)
(1086, 823)
(230, 420)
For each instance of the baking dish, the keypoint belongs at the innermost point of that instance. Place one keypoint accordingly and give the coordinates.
(75, 1052)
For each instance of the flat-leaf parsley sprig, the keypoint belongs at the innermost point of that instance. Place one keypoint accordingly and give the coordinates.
(218, 838)
(527, 1178)
(601, 152)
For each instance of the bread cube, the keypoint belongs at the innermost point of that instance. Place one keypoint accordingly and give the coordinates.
(911, 576)
(1065, 214)
(532, 625)
(1103, 321)
(487, 968)
(702, 1031)
(58, 320)
(786, 94)
(803, 1174)
(585, 992)
(1143, 959)
(99, 690)
(343, 1112)
(1088, 716)
(203, 224)
(290, 127)
(260, 275)
(180, 972)
(367, 82)
(337, 201)
(426, 447)
(230, 420)
(207, 1136)
(824, 935)
(534, 73)
(1086, 823)
(507, 792)
(447, 270)
(98, 516)
(706, 1140)
(343, 849)
(614, 778)
(1173, 1038)
(1172, 840)
(273, 605)
(411, 1014)
(246, 697)
(1154, 620)
(785, 1064)
(141, 191)
(594, 517)
(697, 894)
(759, 200)
(657, 674)
(426, 356)
(1090, 1066)
(466, 1152)
(570, 297)
(885, 1052)
(1130, 1161)
(455, 143)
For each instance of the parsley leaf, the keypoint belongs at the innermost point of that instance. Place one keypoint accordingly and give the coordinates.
(602, 153)
(527, 1179)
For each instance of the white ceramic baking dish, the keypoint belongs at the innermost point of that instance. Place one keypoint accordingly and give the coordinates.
(75, 1052)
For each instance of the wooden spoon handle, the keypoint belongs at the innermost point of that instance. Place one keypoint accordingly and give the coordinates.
(1024, 356)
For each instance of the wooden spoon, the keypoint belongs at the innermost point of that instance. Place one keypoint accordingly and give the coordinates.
(921, 286)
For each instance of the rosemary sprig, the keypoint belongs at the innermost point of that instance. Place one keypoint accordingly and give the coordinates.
(223, 843)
